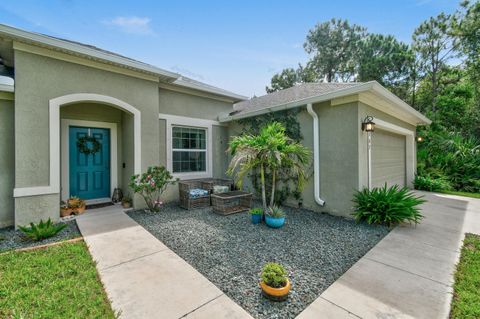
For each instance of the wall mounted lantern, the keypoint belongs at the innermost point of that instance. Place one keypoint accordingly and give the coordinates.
(419, 138)
(367, 124)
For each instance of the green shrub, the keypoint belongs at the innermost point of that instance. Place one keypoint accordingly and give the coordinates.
(388, 206)
(151, 184)
(428, 183)
(274, 275)
(255, 211)
(452, 156)
(42, 230)
(275, 212)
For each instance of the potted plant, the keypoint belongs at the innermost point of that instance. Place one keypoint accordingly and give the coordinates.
(126, 201)
(274, 282)
(275, 217)
(256, 214)
(65, 210)
(76, 204)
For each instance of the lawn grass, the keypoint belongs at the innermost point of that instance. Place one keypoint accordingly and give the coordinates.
(55, 282)
(466, 297)
(472, 195)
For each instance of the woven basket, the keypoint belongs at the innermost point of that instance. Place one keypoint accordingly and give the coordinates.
(186, 201)
(231, 202)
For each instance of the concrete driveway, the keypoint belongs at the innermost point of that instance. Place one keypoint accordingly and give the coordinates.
(409, 274)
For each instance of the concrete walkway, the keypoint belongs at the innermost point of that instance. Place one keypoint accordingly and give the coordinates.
(145, 279)
(409, 274)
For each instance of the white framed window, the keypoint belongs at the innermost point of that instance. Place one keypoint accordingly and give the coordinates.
(189, 149)
(189, 146)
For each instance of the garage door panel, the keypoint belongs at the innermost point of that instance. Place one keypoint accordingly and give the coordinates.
(388, 159)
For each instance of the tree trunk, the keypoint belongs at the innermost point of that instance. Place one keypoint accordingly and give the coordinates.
(272, 197)
(264, 196)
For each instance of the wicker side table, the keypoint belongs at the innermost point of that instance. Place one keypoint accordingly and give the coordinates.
(231, 202)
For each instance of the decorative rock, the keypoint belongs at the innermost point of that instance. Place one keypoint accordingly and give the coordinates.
(230, 251)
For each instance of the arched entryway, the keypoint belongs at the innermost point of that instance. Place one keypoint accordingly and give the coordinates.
(55, 138)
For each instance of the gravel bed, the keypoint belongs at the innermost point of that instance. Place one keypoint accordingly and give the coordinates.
(230, 251)
(14, 239)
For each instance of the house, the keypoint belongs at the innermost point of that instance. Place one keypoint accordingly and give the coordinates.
(57, 95)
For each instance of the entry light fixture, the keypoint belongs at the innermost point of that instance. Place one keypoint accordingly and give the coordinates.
(367, 124)
(419, 138)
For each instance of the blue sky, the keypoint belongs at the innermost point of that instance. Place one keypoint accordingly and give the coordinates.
(236, 45)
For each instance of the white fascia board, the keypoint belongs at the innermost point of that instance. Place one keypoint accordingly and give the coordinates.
(368, 86)
(210, 89)
(310, 100)
(377, 88)
(83, 50)
(7, 88)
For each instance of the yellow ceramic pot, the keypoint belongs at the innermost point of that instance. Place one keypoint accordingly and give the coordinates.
(277, 294)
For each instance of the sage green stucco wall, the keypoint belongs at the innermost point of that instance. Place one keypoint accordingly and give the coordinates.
(338, 137)
(365, 110)
(39, 79)
(7, 162)
(193, 106)
(183, 104)
(219, 147)
(339, 131)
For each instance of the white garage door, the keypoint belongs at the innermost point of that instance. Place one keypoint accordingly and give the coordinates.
(388, 159)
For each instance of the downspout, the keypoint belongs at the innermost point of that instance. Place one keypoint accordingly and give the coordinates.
(316, 155)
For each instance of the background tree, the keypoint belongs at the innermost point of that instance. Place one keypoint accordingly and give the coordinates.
(386, 60)
(439, 75)
(435, 46)
(333, 46)
(283, 80)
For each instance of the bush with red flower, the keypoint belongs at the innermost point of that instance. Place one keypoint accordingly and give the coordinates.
(151, 184)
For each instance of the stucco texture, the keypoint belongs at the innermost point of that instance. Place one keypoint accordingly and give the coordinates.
(7, 162)
(39, 79)
(182, 104)
(411, 160)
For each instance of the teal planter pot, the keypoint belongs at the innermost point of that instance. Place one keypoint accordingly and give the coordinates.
(274, 222)
(256, 218)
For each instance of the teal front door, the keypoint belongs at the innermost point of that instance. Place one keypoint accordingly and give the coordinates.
(89, 173)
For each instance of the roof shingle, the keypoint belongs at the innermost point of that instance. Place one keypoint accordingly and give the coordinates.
(298, 92)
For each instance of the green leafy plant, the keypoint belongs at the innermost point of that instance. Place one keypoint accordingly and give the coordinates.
(126, 199)
(428, 183)
(275, 212)
(42, 230)
(75, 202)
(256, 211)
(271, 150)
(151, 184)
(388, 206)
(274, 275)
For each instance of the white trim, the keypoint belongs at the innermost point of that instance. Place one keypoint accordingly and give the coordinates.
(65, 156)
(365, 87)
(84, 50)
(410, 146)
(188, 121)
(175, 120)
(316, 156)
(54, 137)
(7, 88)
(208, 88)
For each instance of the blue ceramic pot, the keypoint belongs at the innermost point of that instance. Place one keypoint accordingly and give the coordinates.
(274, 222)
(256, 218)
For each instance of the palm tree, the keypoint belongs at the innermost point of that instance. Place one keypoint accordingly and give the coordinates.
(271, 149)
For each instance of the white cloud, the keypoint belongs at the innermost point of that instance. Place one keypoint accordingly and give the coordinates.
(132, 25)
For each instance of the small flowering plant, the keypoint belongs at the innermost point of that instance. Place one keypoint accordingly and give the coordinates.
(151, 184)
